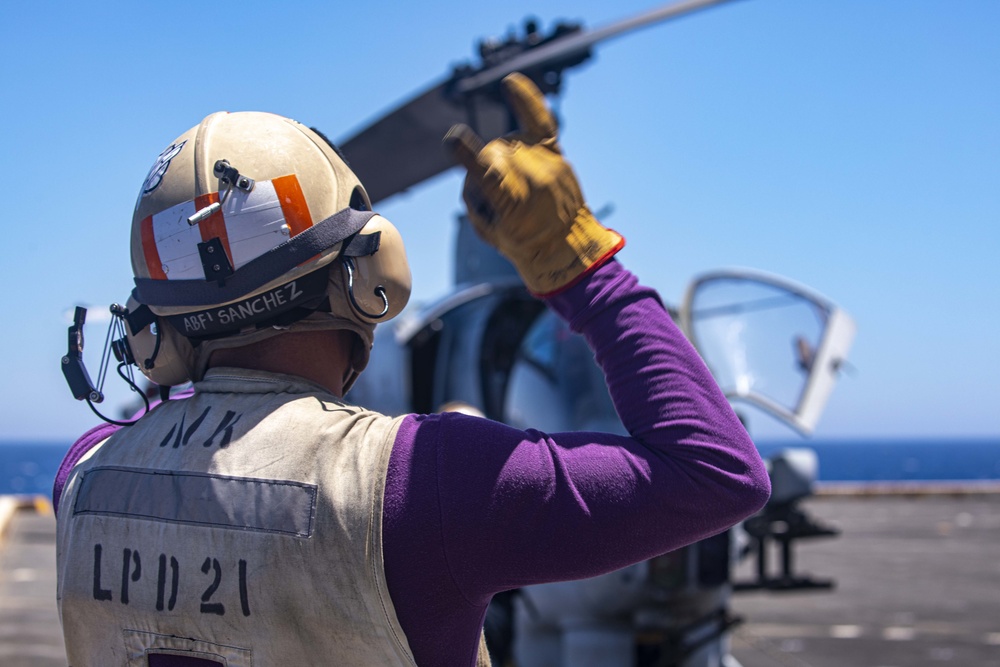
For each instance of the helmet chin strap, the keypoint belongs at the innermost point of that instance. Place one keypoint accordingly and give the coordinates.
(350, 376)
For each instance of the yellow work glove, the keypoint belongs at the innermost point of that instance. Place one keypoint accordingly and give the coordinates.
(524, 199)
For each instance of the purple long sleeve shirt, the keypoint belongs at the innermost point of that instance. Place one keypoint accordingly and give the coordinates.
(474, 507)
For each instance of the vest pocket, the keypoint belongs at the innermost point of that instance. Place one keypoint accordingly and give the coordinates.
(175, 660)
(149, 649)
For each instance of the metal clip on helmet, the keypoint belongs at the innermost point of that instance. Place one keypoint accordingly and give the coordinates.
(247, 226)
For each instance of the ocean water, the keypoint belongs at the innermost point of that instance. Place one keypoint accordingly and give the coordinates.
(29, 468)
(900, 460)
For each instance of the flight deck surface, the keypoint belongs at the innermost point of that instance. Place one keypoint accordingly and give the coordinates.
(917, 584)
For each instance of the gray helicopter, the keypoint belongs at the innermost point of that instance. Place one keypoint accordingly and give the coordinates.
(489, 348)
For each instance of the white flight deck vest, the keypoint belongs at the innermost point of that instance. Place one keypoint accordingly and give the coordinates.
(242, 526)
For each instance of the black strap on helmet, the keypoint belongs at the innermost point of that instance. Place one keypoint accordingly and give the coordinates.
(280, 305)
(258, 272)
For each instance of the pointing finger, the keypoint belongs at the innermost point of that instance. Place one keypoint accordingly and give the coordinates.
(529, 107)
(465, 146)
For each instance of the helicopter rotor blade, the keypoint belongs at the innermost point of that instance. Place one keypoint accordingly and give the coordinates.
(580, 43)
(404, 147)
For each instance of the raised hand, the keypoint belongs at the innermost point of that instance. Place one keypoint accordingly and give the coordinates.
(524, 199)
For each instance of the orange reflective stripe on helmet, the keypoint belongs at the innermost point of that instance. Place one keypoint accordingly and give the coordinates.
(215, 225)
(149, 250)
(293, 203)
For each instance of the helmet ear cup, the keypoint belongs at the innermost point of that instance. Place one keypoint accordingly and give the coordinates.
(359, 199)
(163, 355)
(379, 284)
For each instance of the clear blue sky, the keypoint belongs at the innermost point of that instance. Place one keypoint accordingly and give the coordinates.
(850, 145)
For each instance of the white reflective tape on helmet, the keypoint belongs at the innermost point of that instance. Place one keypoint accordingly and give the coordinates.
(248, 225)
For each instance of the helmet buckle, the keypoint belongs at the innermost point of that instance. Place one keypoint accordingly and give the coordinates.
(229, 175)
(214, 260)
(231, 178)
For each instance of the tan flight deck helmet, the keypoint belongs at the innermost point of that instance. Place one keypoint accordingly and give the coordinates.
(250, 225)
